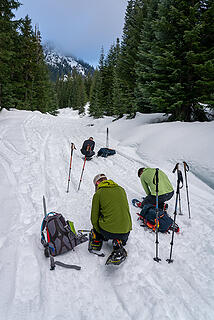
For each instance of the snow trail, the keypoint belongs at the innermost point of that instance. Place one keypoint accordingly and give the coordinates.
(34, 161)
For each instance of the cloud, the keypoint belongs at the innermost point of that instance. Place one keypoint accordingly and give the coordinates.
(80, 27)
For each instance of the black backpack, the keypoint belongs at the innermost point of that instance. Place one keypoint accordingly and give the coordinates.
(58, 236)
(148, 216)
(105, 152)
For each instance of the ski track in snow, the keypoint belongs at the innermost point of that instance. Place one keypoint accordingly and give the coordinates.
(34, 161)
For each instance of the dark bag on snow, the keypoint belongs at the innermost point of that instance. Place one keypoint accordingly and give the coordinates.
(148, 215)
(60, 235)
(105, 152)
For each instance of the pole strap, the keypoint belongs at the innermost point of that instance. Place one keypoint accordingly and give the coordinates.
(180, 179)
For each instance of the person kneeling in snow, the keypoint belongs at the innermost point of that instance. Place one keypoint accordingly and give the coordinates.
(165, 188)
(110, 217)
(88, 148)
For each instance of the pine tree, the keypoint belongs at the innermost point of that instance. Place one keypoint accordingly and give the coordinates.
(43, 98)
(8, 37)
(145, 74)
(129, 51)
(97, 91)
(170, 55)
(205, 68)
(24, 76)
(95, 108)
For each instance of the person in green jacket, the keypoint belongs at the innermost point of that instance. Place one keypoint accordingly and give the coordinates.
(110, 214)
(165, 188)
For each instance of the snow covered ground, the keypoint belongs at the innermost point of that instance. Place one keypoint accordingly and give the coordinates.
(34, 161)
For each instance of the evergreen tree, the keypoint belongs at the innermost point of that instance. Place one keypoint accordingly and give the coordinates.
(129, 51)
(43, 95)
(205, 68)
(97, 91)
(25, 68)
(8, 37)
(119, 108)
(95, 108)
(170, 57)
(145, 74)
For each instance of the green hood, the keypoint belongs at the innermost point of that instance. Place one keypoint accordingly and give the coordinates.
(107, 184)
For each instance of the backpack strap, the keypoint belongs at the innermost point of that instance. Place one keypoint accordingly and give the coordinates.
(53, 264)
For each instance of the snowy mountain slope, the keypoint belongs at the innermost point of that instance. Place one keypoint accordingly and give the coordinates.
(34, 161)
(60, 64)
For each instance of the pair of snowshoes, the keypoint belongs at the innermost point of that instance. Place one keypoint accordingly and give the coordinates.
(118, 254)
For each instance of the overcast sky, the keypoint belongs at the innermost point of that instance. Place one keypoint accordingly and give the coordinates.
(78, 27)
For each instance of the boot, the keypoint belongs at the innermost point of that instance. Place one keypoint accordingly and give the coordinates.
(94, 243)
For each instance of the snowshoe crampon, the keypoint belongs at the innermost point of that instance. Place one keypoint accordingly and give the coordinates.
(117, 257)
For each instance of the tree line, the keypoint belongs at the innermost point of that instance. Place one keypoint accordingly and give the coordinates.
(24, 78)
(164, 63)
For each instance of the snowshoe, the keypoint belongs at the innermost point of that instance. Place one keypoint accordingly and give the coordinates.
(88, 158)
(136, 203)
(118, 254)
(175, 227)
(163, 206)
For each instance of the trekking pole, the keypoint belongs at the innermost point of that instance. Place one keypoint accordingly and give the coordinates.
(107, 141)
(179, 199)
(44, 206)
(82, 174)
(179, 195)
(52, 263)
(155, 181)
(69, 175)
(179, 180)
(186, 169)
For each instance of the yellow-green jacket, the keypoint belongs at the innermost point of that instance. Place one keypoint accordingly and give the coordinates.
(110, 209)
(164, 185)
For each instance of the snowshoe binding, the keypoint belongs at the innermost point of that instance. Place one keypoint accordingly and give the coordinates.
(118, 254)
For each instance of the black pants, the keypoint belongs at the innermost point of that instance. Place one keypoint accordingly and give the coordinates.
(105, 235)
(87, 153)
(161, 199)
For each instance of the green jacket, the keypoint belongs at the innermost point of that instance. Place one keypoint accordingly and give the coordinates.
(110, 209)
(164, 185)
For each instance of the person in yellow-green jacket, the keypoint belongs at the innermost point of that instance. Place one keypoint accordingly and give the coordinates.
(110, 217)
(165, 188)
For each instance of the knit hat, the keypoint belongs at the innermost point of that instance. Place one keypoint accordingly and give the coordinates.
(140, 171)
(98, 177)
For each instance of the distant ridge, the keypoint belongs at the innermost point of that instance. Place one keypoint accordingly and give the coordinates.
(60, 65)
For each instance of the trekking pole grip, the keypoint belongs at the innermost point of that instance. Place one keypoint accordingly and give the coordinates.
(186, 167)
(175, 168)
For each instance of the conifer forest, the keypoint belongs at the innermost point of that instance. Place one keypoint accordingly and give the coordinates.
(163, 63)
